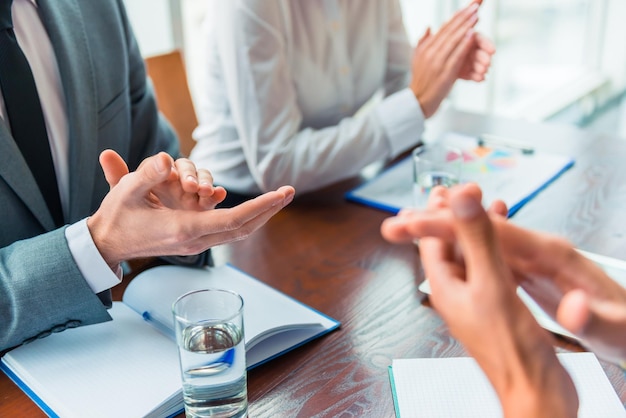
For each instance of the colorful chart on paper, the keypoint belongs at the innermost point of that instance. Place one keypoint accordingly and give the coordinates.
(488, 160)
(502, 173)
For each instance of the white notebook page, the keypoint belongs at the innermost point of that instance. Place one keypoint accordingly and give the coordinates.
(457, 387)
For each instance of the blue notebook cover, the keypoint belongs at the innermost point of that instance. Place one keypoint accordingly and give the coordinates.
(502, 173)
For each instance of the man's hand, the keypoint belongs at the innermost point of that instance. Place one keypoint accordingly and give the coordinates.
(166, 207)
(454, 52)
(185, 184)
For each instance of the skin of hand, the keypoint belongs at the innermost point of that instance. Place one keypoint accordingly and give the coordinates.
(474, 292)
(167, 207)
(568, 286)
(456, 51)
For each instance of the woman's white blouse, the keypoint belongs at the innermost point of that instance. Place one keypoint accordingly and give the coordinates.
(283, 82)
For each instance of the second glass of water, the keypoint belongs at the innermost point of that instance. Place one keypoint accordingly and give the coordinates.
(434, 165)
(210, 338)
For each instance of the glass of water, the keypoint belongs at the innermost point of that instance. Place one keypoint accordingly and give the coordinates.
(434, 165)
(210, 338)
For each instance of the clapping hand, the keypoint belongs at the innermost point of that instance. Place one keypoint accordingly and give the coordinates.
(167, 207)
(473, 289)
(455, 51)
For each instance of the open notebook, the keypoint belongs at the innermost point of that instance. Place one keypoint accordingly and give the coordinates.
(457, 387)
(129, 367)
(614, 268)
(502, 172)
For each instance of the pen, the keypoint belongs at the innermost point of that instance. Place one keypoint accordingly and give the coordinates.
(160, 325)
(500, 141)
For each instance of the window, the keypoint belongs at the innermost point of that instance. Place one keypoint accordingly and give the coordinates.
(551, 55)
(555, 58)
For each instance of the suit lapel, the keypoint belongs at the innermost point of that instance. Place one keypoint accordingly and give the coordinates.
(65, 26)
(15, 171)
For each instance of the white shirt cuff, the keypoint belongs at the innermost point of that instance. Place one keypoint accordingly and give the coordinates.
(94, 269)
(402, 119)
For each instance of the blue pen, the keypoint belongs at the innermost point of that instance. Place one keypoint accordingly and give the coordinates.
(225, 361)
(161, 326)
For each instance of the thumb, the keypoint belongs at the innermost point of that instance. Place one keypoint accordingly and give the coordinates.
(474, 232)
(113, 166)
(573, 312)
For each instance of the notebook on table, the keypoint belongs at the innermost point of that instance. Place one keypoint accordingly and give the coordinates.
(129, 367)
(503, 172)
(457, 387)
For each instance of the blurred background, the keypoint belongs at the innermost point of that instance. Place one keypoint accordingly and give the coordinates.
(560, 61)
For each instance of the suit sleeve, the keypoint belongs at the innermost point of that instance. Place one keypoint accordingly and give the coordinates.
(42, 290)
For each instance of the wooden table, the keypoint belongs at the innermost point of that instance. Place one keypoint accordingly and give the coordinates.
(329, 254)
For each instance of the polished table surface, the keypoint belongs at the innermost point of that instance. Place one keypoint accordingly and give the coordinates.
(329, 254)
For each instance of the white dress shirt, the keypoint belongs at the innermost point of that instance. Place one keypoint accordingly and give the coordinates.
(284, 81)
(35, 43)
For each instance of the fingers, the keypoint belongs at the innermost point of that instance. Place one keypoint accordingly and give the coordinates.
(411, 224)
(453, 31)
(478, 60)
(152, 171)
(461, 53)
(424, 37)
(187, 186)
(475, 233)
(217, 197)
(537, 253)
(266, 206)
(472, 189)
(459, 18)
(498, 208)
(441, 269)
(438, 198)
(237, 223)
(573, 312)
(194, 180)
(271, 201)
(486, 48)
(113, 166)
(437, 254)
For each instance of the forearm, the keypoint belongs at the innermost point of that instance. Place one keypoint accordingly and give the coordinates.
(321, 157)
(43, 291)
(527, 375)
(540, 388)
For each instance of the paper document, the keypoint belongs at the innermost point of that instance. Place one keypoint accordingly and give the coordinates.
(502, 173)
(613, 267)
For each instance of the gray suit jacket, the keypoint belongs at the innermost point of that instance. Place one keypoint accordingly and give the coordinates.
(109, 104)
